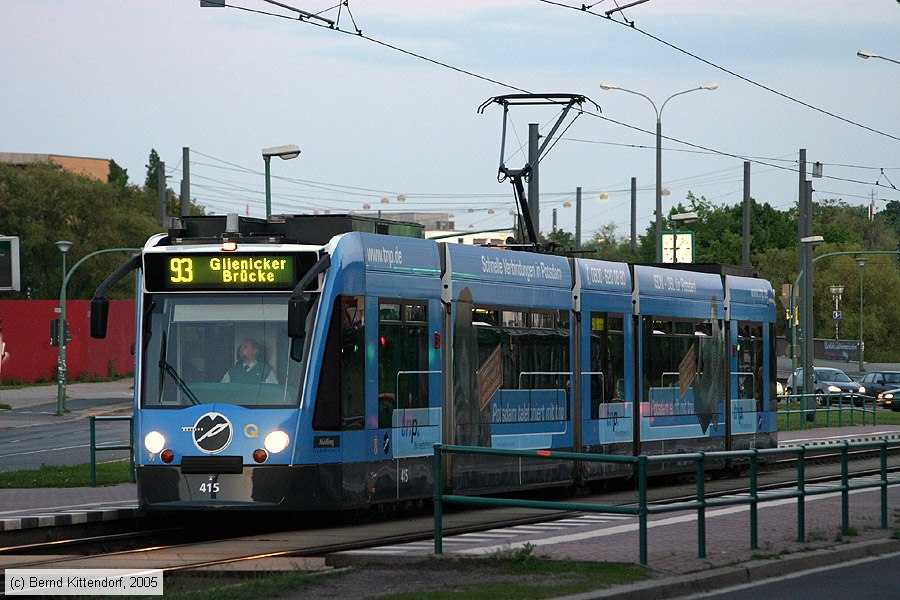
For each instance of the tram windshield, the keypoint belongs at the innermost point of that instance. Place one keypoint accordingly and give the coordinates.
(199, 349)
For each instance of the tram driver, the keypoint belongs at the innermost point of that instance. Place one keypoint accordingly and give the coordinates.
(251, 366)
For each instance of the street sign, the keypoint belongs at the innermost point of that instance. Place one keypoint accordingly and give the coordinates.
(836, 315)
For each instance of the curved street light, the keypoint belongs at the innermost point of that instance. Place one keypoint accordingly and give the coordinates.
(284, 153)
(62, 369)
(867, 54)
(659, 194)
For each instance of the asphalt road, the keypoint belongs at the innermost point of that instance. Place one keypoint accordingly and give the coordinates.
(875, 578)
(32, 435)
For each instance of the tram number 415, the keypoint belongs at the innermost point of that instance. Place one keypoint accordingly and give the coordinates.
(210, 486)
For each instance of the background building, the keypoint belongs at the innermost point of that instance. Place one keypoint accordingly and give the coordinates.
(95, 168)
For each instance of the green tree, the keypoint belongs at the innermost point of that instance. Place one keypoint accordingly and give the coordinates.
(565, 241)
(153, 168)
(43, 203)
(117, 175)
(890, 216)
(881, 320)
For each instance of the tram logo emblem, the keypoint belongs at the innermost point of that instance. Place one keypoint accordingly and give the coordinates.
(212, 433)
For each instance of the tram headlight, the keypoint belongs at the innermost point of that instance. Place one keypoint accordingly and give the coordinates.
(276, 441)
(154, 442)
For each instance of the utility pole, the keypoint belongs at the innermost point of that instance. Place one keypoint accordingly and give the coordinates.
(745, 253)
(808, 340)
(800, 331)
(533, 179)
(804, 230)
(185, 181)
(634, 215)
(578, 218)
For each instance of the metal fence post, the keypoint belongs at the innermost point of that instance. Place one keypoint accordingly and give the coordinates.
(438, 502)
(701, 509)
(801, 496)
(94, 451)
(754, 500)
(845, 490)
(642, 508)
(884, 490)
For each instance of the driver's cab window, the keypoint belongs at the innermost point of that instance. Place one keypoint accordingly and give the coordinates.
(202, 350)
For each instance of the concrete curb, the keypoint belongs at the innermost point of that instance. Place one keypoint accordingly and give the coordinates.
(753, 571)
(74, 517)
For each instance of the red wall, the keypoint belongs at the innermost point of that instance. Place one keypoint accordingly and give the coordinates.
(29, 357)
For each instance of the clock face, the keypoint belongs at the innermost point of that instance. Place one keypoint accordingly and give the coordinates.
(684, 248)
(668, 247)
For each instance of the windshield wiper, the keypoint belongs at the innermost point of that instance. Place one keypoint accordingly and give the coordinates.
(166, 368)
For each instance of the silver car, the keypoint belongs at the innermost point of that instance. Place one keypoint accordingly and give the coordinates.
(828, 384)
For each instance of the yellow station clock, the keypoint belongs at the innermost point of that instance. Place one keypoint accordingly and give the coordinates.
(684, 247)
(678, 247)
(668, 247)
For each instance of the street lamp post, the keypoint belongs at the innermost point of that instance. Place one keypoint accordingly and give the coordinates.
(836, 291)
(611, 86)
(284, 153)
(806, 327)
(862, 344)
(867, 54)
(61, 371)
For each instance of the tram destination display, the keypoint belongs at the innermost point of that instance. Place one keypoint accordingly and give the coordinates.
(168, 272)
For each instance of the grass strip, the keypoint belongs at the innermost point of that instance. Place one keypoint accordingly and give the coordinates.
(519, 576)
(108, 473)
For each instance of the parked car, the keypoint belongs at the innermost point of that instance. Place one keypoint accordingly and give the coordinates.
(889, 399)
(880, 381)
(828, 384)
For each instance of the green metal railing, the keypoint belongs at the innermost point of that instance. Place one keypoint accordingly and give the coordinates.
(701, 503)
(95, 448)
(810, 417)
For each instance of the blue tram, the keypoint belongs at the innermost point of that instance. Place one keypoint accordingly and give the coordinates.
(311, 363)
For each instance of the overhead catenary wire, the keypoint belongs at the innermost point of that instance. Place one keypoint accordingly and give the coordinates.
(467, 72)
(707, 62)
(358, 33)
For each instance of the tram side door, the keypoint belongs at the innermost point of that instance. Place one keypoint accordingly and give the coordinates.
(401, 424)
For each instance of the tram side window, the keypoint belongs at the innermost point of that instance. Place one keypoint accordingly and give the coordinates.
(340, 401)
(750, 363)
(677, 351)
(402, 357)
(607, 371)
(534, 346)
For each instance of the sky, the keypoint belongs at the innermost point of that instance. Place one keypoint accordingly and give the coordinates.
(393, 113)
